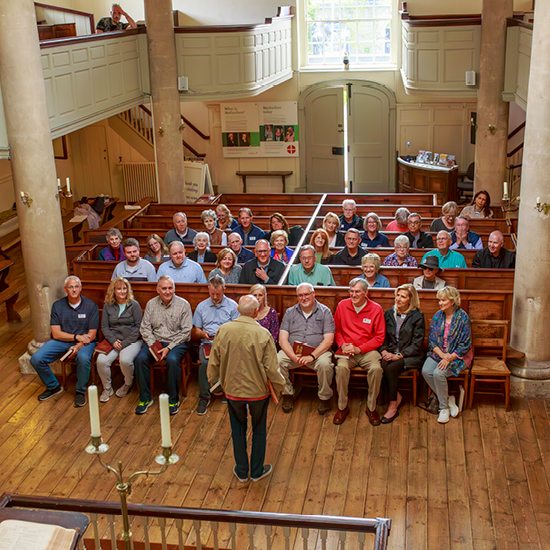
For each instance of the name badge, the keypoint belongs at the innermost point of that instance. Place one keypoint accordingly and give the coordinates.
(368, 321)
(82, 316)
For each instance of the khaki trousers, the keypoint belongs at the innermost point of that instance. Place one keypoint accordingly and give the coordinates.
(323, 366)
(369, 362)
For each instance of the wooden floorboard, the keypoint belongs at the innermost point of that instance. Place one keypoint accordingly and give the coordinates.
(481, 482)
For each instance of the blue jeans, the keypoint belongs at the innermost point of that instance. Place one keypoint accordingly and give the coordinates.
(239, 419)
(53, 350)
(437, 380)
(143, 363)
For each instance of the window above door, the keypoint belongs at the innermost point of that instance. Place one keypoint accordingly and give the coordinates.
(365, 30)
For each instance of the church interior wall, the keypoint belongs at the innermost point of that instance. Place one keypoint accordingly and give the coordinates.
(95, 151)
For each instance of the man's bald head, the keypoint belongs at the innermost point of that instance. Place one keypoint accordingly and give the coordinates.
(248, 305)
(496, 240)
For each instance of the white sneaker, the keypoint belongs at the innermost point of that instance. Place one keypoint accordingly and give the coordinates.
(443, 417)
(453, 406)
(123, 390)
(105, 394)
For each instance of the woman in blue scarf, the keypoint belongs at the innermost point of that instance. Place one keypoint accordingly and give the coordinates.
(449, 350)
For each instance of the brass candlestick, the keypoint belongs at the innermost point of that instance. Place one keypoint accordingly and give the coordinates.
(124, 488)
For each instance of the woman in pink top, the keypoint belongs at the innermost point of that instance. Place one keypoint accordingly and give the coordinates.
(400, 222)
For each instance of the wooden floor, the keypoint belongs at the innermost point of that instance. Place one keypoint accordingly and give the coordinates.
(480, 482)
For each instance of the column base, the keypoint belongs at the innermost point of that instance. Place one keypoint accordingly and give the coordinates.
(522, 367)
(25, 360)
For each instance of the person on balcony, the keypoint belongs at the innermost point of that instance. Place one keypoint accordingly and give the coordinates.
(113, 23)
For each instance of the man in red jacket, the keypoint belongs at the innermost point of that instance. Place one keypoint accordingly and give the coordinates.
(360, 331)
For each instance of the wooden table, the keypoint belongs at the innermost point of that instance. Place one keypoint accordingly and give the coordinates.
(265, 174)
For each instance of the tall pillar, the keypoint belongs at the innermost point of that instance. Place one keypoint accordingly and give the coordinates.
(32, 161)
(531, 310)
(166, 102)
(492, 111)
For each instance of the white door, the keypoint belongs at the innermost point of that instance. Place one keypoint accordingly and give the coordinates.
(366, 122)
(368, 137)
(324, 117)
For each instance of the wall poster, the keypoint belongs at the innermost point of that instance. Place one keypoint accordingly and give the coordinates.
(260, 129)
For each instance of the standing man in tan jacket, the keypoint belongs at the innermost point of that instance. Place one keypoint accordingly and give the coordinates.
(243, 358)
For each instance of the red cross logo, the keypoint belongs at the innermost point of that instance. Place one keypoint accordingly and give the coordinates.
(291, 149)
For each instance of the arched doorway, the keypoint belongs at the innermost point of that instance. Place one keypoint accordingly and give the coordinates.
(349, 140)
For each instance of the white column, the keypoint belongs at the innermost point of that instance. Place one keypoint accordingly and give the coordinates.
(531, 310)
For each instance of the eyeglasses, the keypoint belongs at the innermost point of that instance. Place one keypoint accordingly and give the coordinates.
(414, 223)
(401, 247)
(306, 295)
(262, 251)
(428, 268)
(356, 292)
(73, 287)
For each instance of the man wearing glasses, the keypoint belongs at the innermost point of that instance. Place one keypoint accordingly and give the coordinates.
(447, 258)
(310, 323)
(74, 322)
(417, 237)
(263, 269)
(360, 331)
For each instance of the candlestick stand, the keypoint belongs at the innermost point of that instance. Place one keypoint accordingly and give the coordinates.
(124, 488)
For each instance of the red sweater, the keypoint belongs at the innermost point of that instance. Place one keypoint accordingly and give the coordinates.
(365, 330)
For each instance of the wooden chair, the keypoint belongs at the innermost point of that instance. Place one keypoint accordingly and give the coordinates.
(69, 364)
(185, 373)
(490, 375)
(410, 377)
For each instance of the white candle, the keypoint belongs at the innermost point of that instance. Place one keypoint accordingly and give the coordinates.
(505, 185)
(68, 186)
(165, 420)
(22, 195)
(59, 183)
(538, 201)
(94, 411)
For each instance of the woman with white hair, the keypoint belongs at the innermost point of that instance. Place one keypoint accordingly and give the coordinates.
(401, 256)
(400, 223)
(202, 253)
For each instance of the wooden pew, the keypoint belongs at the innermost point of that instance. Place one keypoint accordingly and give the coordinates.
(331, 198)
(479, 304)
(103, 271)
(473, 279)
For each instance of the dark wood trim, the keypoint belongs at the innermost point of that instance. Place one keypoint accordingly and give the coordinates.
(513, 22)
(194, 151)
(55, 42)
(146, 109)
(90, 16)
(514, 151)
(65, 154)
(514, 132)
(453, 20)
(283, 14)
(194, 128)
(201, 514)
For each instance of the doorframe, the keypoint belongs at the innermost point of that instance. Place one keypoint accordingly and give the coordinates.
(384, 90)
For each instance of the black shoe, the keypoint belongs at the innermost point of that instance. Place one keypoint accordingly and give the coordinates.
(174, 408)
(80, 400)
(202, 406)
(267, 470)
(323, 407)
(386, 420)
(288, 404)
(44, 396)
